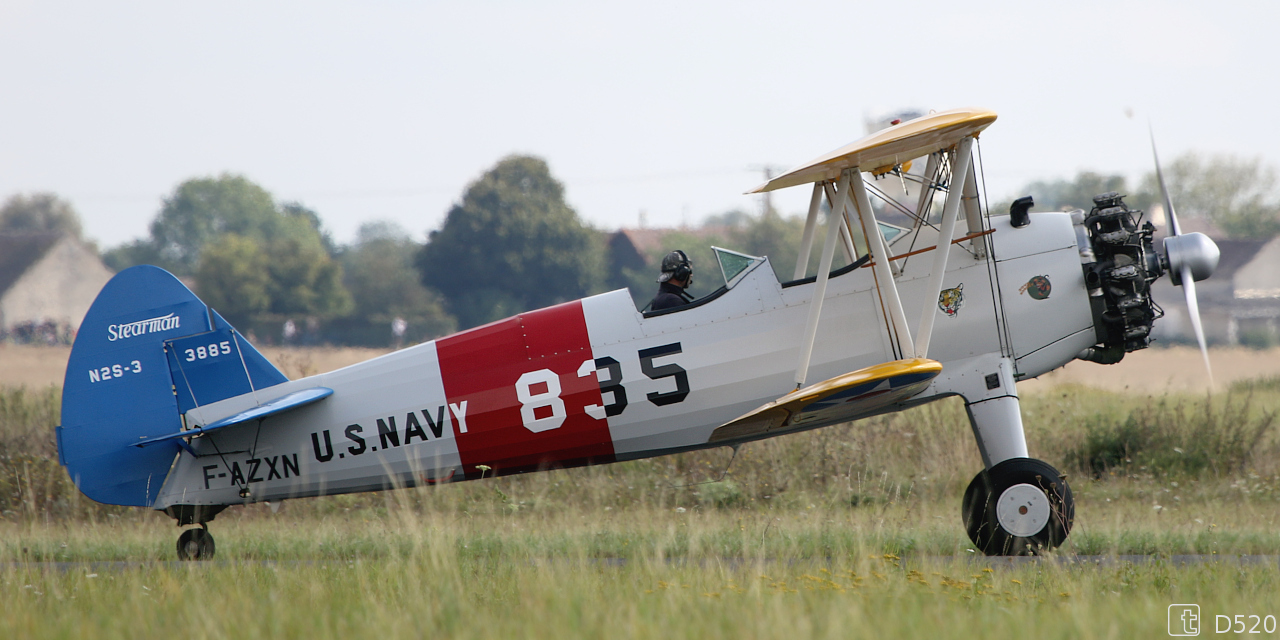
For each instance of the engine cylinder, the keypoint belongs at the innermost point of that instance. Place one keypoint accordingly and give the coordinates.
(1119, 278)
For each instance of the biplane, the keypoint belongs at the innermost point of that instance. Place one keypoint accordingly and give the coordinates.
(167, 406)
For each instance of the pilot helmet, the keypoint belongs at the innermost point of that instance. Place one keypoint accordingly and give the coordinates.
(677, 265)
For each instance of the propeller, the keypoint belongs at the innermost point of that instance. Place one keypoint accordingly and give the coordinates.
(1190, 256)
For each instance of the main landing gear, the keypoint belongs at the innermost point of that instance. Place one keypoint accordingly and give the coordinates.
(1021, 506)
(196, 544)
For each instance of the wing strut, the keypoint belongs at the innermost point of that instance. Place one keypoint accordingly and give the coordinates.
(973, 212)
(846, 235)
(885, 283)
(806, 243)
(931, 184)
(824, 273)
(925, 200)
(950, 211)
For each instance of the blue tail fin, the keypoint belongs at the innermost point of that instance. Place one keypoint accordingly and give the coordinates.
(120, 387)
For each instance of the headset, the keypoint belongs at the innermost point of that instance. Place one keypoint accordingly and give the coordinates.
(685, 270)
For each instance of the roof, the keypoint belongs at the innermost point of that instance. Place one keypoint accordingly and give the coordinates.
(1189, 224)
(1234, 254)
(645, 241)
(888, 147)
(19, 251)
(651, 241)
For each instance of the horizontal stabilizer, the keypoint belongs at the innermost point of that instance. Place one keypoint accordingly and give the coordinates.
(845, 397)
(270, 408)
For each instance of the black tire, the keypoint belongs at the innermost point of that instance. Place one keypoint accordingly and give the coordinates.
(196, 544)
(1036, 515)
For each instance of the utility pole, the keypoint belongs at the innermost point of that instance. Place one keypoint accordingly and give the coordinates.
(769, 170)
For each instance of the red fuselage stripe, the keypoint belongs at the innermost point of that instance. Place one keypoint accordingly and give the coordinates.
(491, 367)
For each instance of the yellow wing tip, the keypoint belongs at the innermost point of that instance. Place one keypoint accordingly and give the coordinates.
(777, 413)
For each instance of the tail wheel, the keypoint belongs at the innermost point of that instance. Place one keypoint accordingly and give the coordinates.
(196, 544)
(1021, 506)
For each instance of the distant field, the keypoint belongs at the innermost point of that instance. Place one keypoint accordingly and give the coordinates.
(42, 366)
(1149, 371)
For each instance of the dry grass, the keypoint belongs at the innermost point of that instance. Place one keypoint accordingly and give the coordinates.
(38, 367)
(1176, 369)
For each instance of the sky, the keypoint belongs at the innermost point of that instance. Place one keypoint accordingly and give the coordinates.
(670, 111)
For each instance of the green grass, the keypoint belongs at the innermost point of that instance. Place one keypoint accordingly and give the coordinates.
(847, 531)
(711, 574)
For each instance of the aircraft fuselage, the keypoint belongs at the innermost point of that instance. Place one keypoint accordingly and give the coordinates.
(594, 381)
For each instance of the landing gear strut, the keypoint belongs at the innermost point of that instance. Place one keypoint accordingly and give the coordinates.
(196, 544)
(1021, 506)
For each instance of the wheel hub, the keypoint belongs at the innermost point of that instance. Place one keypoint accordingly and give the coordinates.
(1023, 510)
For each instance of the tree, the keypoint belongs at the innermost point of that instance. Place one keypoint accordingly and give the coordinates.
(201, 210)
(1240, 195)
(140, 251)
(233, 278)
(39, 213)
(384, 285)
(245, 279)
(250, 258)
(511, 245)
(1065, 195)
(305, 281)
(301, 218)
(778, 238)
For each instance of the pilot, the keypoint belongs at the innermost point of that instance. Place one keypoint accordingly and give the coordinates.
(677, 275)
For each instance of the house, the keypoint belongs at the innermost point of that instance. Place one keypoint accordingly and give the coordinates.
(641, 250)
(644, 248)
(1239, 304)
(47, 282)
(632, 248)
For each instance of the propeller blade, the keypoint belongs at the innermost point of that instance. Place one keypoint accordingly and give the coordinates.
(1164, 191)
(1188, 283)
(1193, 309)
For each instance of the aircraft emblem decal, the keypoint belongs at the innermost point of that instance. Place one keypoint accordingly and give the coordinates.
(950, 300)
(1038, 287)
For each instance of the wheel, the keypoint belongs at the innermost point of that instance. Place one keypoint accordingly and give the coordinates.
(1021, 506)
(195, 544)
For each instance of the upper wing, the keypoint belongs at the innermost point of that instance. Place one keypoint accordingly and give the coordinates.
(845, 397)
(888, 147)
